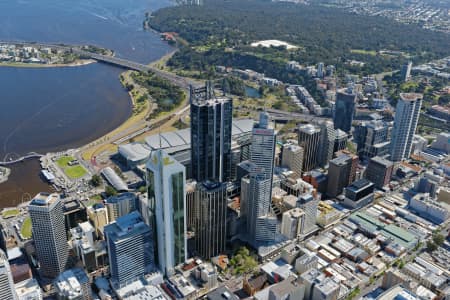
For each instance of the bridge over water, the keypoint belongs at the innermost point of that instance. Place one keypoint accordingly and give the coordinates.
(20, 159)
(116, 61)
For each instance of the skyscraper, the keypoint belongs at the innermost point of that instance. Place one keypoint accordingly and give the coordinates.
(6, 281)
(327, 139)
(292, 158)
(379, 171)
(340, 174)
(372, 138)
(167, 197)
(49, 233)
(211, 121)
(309, 205)
(406, 71)
(405, 123)
(130, 249)
(344, 110)
(211, 222)
(309, 138)
(261, 223)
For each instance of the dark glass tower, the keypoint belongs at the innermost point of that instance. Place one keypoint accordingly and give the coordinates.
(211, 121)
(344, 111)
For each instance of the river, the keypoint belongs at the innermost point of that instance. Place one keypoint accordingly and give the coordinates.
(51, 109)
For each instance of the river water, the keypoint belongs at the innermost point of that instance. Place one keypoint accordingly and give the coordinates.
(52, 109)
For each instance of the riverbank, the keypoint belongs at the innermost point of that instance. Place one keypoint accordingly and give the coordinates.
(136, 122)
(4, 174)
(78, 63)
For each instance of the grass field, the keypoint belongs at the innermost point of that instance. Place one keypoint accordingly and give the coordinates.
(63, 161)
(9, 213)
(73, 172)
(364, 52)
(25, 231)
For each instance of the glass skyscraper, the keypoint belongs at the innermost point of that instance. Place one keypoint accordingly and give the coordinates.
(405, 123)
(344, 110)
(211, 123)
(167, 201)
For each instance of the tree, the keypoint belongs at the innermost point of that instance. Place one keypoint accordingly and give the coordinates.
(110, 191)
(243, 262)
(438, 239)
(431, 246)
(96, 180)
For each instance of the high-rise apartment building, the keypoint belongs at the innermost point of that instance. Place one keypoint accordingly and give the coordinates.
(344, 110)
(405, 123)
(130, 249)
(309, 137)
(7, 290)
(49, 233)
(167, 196)
(211, 125)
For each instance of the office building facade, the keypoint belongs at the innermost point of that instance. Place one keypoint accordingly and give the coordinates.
(292, 158)
(359, 194)
(405, 123)
(344, 110)
(261, 223)
(211, 124)
(340, 174)
(292, 223)
(167, 196)
(130, 249)
(309, 137)
(49, 233)
(211, 222)
(7, 290)
(379, 171)
(309, 205)
(327, 140)
(121, 205)
(372, 138)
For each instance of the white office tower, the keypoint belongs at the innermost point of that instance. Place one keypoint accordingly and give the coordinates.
(167, 196)
(49, 233)
(6, 280)
(261, 222)
(405, 123)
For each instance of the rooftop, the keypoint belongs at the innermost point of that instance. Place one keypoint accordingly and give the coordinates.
(44, 199)
(410, 96)
(69, 283)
